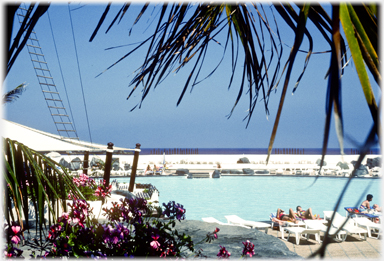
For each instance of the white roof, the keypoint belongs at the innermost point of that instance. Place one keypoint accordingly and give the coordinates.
(44, 141)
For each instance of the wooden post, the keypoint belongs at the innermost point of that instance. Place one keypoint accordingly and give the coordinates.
(108, 163)
(85, 162)
(134, 167)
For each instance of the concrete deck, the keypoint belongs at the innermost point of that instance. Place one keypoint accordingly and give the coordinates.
(352, 248)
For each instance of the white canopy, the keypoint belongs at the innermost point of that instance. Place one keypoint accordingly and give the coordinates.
(44, 141)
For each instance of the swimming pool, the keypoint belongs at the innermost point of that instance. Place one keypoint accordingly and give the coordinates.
(255, 197)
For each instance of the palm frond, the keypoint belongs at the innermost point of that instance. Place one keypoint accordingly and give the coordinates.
(358, 59)
(300, 31)
(32, 178)
(14, 94)
(333, 98)
(32, 15)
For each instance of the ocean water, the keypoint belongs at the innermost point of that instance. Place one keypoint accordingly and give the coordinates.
(255, 197)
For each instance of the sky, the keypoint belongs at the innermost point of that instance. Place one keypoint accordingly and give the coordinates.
(200, 121)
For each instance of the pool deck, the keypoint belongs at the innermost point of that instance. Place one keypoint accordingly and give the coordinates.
(352, 248)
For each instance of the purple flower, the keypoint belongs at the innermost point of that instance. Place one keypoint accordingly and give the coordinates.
(13, 252)
(115, 235)
(223, 253)
(173, 210)
(248, 249)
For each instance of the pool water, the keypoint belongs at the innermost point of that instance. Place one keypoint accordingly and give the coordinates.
(255, 197)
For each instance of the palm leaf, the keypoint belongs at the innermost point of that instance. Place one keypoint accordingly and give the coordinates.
(299, 35)
(33, 14)
(14, 94)
(367, 43)
(333, 97)
(24, 164)
(359, 62)
(100, 21)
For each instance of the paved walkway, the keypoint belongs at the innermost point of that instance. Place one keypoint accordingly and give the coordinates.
(352, 248)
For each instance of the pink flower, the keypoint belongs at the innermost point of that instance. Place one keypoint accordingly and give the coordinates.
(215, 232)
(15, 239)
(223, 253)
(155, 244)
(248, 248)
(15, 233)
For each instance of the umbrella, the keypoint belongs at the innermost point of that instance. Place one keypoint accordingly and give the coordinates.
(75, 164)
(65, 163)
(53, 155)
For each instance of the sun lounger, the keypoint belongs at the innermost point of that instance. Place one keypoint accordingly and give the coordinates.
(368, 225)
(355, 212)
(328, 215)
(282, 224)
(233, 219)
(299, 231)
(319, 224)
(214, 220)
(278, 223)
(349, 226)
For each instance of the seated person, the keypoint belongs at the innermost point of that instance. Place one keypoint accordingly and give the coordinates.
(376, 208)
(365, 205)
(280, 215)
(307, 214)
(148, 170)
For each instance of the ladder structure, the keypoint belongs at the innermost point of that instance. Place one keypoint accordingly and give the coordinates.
(55, 104)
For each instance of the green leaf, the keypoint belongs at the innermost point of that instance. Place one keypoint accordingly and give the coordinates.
(299, 35)
(358, 61)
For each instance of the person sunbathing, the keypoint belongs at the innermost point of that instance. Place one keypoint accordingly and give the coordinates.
(307, 214)
(284, 217)
(376, 208)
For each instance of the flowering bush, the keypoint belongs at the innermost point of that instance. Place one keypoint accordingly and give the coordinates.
(90, 189)
(128, 232)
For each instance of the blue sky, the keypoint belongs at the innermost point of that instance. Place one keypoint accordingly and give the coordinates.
(200, 120)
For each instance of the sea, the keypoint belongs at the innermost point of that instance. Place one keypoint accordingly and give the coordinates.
(256, 197)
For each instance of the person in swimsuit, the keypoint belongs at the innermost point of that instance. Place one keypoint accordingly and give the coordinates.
(365, 205)
(307, 214)
(376, 208)
(284, 217)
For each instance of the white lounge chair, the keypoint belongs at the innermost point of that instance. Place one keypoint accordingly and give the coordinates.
(282, 224)
(233, 219)
(319, 224)
(214, 220)
(368, 225)
(277, 224)
(328, 215)
(349, 226)
(299, 231)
